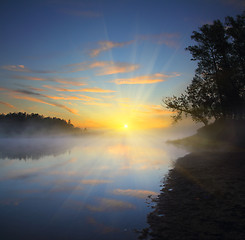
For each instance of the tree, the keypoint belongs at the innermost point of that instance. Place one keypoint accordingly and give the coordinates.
(218, 89)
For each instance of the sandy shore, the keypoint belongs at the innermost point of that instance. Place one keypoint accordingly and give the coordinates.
(203, 198)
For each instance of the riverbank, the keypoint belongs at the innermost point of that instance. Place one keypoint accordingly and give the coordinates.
(203, 196)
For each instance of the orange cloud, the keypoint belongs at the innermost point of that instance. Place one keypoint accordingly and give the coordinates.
(95, 181)
(87, 98)
(114, 68)
(98, 104)
(107, 45)
(59, 89)
(16, 68)
(33, 99)
(81, 98)
(134, 193)
(148, 79)
(105, 67)
(67, 81)
(7, 104)
(97, 90)
(3, 89)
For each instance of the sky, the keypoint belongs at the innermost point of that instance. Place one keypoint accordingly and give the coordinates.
(100, 63)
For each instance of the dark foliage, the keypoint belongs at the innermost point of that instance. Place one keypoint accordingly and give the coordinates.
(19, 124)
(218, 89)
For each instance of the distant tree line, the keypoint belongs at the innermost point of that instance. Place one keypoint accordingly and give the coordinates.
(22, 123)
(217, 90)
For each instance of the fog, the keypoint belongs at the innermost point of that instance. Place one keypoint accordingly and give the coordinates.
(94, 186)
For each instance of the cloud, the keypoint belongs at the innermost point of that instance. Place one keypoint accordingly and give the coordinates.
(28, 92)
(67, 81)
(7, 104)
(105, 204)
(81, 98)
(114, 68)
(98, 104)
(87, 98)
(107, 45)
(95, 89)
(168, 39)
(148, 79)
(104, 67)
(134, 193)
(34, 99)
(95, 181)
(3, 89)
(22, 68)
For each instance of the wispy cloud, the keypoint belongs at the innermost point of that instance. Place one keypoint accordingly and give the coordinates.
(107, 45)
(148, 79)
(22, 68)
(98, 104)
(114, 68)
(33, 99)
(95, 181)
(3, 89)
(28, 95)
(104, 67)
(134, 193)
(7, 104)
(80, 98)
(66, 81)
(168, 39)
(95, 89)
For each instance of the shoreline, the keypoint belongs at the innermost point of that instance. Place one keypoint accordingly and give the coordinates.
(203, 198)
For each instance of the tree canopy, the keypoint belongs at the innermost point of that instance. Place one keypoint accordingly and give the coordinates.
(18, 124)
(217, 90)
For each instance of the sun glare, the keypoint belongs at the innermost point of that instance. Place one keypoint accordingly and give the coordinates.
(125, 126)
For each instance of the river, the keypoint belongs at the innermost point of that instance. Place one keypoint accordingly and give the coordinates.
(94, 187)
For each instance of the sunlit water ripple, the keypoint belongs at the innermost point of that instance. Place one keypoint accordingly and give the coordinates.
(89, 188)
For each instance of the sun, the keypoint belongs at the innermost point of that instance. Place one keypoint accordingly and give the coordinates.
(125, 125)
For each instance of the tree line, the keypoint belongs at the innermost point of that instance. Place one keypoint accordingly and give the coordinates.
(217, 90)
(22, 123)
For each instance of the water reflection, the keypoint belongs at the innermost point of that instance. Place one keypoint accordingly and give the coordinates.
(90, 188)
(33, 148)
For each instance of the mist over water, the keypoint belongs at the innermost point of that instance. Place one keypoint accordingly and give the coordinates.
(93, 187)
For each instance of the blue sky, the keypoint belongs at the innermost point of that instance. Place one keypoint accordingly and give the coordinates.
(100, 63)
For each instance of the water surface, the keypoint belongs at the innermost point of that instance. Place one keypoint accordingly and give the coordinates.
(89, 188)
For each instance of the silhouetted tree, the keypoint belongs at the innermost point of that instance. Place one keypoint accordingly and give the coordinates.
(218, 89)
(13, 124)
